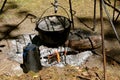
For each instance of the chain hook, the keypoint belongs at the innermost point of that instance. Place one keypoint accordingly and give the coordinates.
(55, 6)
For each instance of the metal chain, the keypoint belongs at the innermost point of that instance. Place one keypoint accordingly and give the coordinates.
(55, 6)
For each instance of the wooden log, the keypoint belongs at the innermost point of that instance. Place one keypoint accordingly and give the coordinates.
(91, 42)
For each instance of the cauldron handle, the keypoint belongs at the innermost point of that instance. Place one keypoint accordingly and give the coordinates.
(51, 7)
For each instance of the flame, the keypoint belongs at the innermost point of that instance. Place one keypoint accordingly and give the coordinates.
(58, 56)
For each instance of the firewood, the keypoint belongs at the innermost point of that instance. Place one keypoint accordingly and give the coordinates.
(91, 42)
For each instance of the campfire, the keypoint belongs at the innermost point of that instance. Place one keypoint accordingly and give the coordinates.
(62, 56)
(75, 51)
(55, 44)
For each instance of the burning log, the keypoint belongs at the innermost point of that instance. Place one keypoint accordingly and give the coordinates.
(55, 56)
(92, 42)
(58, 56)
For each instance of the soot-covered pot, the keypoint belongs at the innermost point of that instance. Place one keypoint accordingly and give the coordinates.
(53, 30)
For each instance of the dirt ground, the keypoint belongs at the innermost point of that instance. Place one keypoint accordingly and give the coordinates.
(12, 24)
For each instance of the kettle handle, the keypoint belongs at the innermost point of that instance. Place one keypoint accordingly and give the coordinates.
(51, 7)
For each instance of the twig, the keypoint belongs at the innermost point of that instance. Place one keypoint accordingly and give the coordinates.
(117, 10)
(83, 78)
(94, 17)
(114, 10)
(117, 17)
(98, 76)
(1, 10)
(102, 35)
(70, 4)
(108, 15)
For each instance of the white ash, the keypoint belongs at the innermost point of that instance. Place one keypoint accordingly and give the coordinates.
(53, 23)
(74, 60)
(16, 47)
(78, 59)
(44, 51)
(16, 51)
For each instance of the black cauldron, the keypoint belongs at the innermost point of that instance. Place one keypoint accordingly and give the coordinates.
(53, 30)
